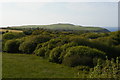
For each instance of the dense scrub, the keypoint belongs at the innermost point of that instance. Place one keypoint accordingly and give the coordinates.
(65, 47)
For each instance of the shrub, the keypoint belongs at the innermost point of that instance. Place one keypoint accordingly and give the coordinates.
(76, 60)
(49, 45)
(40, 51)
(54, 54)
(11, 35)
(108, 49)
(81, 55)
(108, 69)
(27, 47)
(12, 46)
(28, 32)
(63, 50)
(80, 40)
(31, 43)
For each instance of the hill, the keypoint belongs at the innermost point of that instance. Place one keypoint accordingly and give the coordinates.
(67, 27)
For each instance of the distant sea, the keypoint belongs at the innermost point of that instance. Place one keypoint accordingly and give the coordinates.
(112, 29)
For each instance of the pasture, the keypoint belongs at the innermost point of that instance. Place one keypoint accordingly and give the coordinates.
(32, 66)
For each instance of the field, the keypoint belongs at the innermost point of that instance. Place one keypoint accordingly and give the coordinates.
(4, 30)
(31, 66)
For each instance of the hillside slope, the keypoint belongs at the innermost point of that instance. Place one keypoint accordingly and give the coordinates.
(65, 27)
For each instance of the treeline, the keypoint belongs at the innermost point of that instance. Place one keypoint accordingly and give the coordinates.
(68, 48)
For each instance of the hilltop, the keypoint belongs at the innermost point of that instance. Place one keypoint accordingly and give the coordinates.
(66, 27)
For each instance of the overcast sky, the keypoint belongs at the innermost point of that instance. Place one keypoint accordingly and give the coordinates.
(102, 14)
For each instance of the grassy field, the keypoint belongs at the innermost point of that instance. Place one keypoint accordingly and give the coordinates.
(32, 66)
(4, 30)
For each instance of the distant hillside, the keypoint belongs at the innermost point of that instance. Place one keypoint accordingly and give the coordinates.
(64, 27)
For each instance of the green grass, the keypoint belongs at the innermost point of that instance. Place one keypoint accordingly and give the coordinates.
(32, 66)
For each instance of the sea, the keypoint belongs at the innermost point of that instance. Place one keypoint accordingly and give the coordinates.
(112, 29)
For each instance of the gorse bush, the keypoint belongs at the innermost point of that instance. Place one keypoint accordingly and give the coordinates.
(81, 55)
(12, 35)
(54, 54)
(12, 46)
(29, 45)
(80, 40)
(76, 60)
(50, 45)
(40, 51)
(63, 50)
(84, 51)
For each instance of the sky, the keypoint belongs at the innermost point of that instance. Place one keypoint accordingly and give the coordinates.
(100, 14)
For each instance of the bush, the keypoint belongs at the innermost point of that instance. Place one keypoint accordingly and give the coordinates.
(11, 35)
(31, 42)
(54, 54)
(81, 55)
(76, 60)
(28, 32)
(12, 46)
(80, 40)
(108, 49)
(63, 49)
(49, 45)
(27, 47)
(40, 52)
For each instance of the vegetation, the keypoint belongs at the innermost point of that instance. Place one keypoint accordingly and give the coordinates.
(31, 66)
(83, 51)
(61, 27)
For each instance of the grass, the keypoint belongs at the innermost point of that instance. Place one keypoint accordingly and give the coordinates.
(32, 66)
(60, 27)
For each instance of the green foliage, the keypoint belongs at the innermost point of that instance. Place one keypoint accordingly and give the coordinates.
(30, 43)
(81, 55)
(51, 44)
(108, 69)
(40, 52)
(11, 35)
(108, 49)
(54, 54)
(80, 40)
(63, 50)
(116, 37)
(12, 46)
(94, 35)
(28, 32)
(27, 47)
